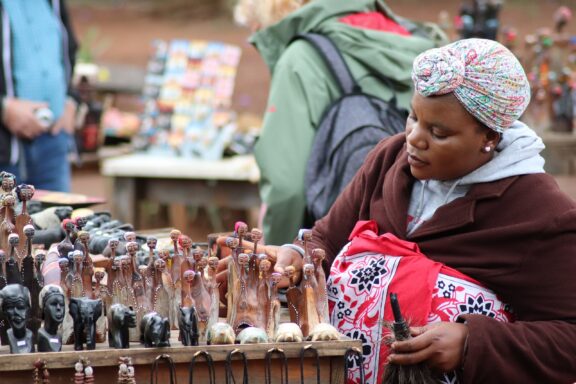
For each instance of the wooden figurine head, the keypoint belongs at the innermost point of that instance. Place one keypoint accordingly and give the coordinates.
(13, 240)
(25, 192)
(243, 260)
(174, 235)
(130, 236)
(132, 248)
(8, 201)
(29, 231)
(113, 243)
(159, 265)
(189, 276)
(63, 263)
(152, 242)
(256, 235)
(240, 228)
(8, 181)
(213, 262)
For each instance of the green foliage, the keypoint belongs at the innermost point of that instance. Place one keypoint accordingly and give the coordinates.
(91, 45)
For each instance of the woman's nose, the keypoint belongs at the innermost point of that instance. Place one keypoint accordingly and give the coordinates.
(415, 135)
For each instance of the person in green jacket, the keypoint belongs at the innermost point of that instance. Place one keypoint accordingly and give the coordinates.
(373, 41)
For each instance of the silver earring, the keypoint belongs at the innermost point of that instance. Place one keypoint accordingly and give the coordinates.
(487, 149)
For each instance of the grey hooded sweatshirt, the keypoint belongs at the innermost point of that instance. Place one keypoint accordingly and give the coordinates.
(518, 153)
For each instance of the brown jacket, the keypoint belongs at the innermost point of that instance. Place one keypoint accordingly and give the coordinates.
(516, 235)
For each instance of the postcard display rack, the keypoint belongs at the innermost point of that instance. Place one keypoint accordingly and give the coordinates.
(187, 97)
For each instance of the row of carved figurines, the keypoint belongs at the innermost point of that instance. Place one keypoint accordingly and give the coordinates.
(252, 295)
(154, 329)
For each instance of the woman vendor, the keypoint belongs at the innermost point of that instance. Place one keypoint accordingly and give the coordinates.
(466, 184)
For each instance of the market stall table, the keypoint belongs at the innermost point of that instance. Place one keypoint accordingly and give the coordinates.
(17, 369)
(227, 183)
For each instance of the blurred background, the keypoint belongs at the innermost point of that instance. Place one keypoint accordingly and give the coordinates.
(120, 41)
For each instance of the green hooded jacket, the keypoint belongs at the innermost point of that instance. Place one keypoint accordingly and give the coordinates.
(302, 88)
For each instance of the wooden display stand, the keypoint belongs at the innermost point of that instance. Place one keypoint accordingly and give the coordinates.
(17, 369)
(227, 183)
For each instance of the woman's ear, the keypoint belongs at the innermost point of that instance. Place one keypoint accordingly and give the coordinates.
(491, 140)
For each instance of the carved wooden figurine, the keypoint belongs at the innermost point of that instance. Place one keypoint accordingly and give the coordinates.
(85, 312)
(52, 305)
(66, 246)
(213, 291)
(251, 300)
(8, 220)
(220, 333)
(77, 286)
(13, 275)
(200, 300)
(161, 292)
(188, 263)
(24, 192)
(120, 319)
(173, 266)
(87, 265)
(148, 271)
(7, 214)
(308, 308)
(66, 285)
(273, 320)
(15, 300)
(307, 304)
(155, 330)
(32, 279)
(188, 325)
(3, 281)
(101, 292)
(318, 256)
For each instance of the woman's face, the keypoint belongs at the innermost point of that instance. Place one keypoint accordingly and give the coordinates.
(444, 141)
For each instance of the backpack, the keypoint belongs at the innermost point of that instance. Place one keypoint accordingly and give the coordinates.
(350, 127)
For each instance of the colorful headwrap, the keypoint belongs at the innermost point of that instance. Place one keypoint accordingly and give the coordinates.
(485, 77)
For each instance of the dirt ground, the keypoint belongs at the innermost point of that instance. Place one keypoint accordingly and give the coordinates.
(123, 34)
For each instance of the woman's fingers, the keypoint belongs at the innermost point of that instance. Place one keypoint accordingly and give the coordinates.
(412, 357)
(440, 345)
(417, 343)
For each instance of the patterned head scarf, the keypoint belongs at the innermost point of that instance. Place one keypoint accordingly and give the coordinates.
(484, 76)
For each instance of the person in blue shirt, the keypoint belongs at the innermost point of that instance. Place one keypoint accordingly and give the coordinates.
(37, 57)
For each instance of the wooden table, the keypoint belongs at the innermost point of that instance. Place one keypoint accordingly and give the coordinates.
(17, 369)
(228, 183)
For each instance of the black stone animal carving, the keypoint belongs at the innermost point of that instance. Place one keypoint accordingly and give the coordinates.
(188, 325)
(154, 330)
(120, 318)
(85, 312)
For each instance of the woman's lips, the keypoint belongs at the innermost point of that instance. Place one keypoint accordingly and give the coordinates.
(415, 161)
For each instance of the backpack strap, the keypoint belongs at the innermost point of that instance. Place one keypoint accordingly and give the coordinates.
(333, 60)
(338, 67)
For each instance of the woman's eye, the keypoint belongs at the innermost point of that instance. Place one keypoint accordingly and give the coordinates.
(438, 135)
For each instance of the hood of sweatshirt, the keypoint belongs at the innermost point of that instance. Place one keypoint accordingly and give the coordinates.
(518, 153)
(369, 48)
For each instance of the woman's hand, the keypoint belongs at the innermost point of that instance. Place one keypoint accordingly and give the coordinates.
(440, 345)
(288, 257)
(280, 257)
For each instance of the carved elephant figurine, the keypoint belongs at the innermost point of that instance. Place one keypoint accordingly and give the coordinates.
(155, 330)
(188, 325)
(85, 312)
(120, 318)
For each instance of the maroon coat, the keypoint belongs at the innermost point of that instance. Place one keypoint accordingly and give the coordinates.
(516, 235)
